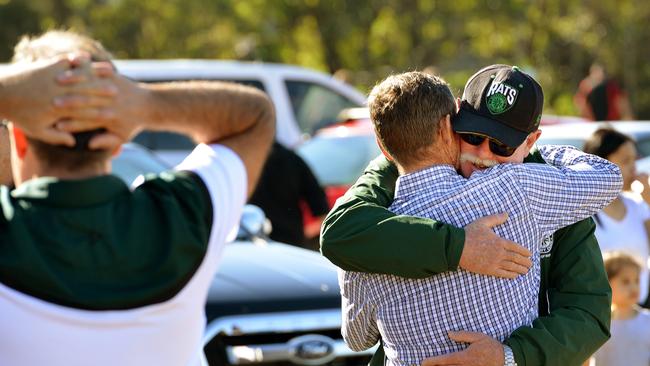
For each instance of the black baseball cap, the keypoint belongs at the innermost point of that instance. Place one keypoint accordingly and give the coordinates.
(502, 102)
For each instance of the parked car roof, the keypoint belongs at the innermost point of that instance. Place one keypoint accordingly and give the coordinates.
(575, 134)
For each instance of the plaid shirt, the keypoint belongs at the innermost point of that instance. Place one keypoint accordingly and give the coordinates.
(412, 316)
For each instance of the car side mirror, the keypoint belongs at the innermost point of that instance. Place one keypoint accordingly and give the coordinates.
(253, 224)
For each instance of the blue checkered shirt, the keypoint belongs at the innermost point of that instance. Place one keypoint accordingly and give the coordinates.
(412, 316)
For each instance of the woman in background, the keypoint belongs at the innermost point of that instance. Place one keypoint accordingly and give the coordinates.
(624, 224)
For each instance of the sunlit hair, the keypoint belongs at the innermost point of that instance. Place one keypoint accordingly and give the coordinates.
(616, 261)
(46, 46)
(406, 110)
(58, 42)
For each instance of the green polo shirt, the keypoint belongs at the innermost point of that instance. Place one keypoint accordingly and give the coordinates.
(95, 244)
(360, 234)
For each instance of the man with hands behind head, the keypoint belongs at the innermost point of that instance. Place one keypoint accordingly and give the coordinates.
(116, 276)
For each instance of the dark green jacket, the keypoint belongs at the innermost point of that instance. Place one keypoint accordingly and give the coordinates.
(360, 234)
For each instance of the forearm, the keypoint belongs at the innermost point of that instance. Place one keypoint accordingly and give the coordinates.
(206, 111)
(17, 85)
(385, 243)
(6, 80)
(574, 309)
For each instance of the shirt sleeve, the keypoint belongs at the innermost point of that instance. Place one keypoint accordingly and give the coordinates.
(361, 234)
(224, 176)
(359, 323)
(571, 187)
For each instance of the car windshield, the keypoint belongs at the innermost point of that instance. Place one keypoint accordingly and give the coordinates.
(642, 143)
(315, 106)
(339, 160)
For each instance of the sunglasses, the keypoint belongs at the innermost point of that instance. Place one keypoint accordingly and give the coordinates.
(496, 147)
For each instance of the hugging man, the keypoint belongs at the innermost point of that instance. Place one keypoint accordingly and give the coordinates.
(412, 114)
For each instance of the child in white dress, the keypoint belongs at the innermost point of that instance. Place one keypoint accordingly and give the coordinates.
(630, 341)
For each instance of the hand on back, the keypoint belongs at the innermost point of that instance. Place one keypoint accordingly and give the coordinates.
(488, 254)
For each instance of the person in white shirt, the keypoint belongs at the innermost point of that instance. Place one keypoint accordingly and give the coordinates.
(624, 224)
(630, 341)
(92, 272)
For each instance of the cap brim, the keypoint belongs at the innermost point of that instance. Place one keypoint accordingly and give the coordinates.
(468, 122)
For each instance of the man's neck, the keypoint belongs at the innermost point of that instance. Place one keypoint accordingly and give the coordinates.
(423, 164)
(65, 174)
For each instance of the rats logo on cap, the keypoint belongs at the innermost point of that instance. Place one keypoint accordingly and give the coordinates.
(500, 97)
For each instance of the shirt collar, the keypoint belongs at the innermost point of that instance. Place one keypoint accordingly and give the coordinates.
(432, 176)
(71, 193)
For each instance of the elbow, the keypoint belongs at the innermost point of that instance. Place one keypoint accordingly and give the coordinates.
(266, 117)
(359, 340)
(358, 345)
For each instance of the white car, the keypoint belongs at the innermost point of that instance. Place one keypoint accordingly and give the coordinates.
(305, 100)
(575, 134)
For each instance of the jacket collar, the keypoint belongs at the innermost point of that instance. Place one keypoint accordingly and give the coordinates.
(52, 191)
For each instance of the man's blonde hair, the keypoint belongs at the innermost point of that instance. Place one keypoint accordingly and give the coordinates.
(58, 42)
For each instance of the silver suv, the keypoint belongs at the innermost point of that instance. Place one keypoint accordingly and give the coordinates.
(305, 100)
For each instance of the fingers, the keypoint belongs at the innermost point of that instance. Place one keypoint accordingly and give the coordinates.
(515, 268)
(103, 69)
(86, 120)
(465, 336)
(521, 260)
(443, 360)
(105, 141)
(56, 137)
(70, 103)
(502, 273)
(492, 220)
(86, 73)
(516, 248)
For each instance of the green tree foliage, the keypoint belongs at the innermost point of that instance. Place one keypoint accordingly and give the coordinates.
(556, 40)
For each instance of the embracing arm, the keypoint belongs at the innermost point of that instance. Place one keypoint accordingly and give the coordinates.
(361, 234)
(575, 310)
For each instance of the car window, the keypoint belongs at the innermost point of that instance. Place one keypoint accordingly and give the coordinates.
(133, 162)
(643, 147)
(156, 140)
(339, 160)
(315, 106)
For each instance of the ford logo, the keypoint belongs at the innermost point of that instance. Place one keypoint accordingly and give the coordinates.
(311, 349)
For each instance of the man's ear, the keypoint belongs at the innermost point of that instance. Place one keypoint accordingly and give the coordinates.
(532, 138)
(20, 141)
(383, 151)
(446, 132)
(117, 151)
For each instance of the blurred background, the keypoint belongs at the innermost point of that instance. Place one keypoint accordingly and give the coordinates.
(362, 41)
